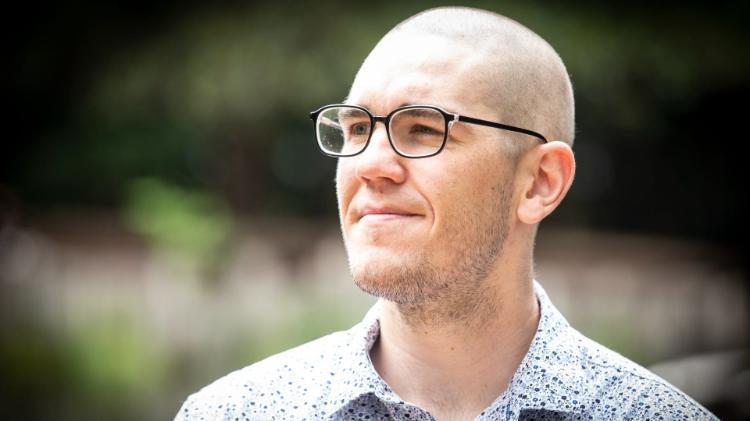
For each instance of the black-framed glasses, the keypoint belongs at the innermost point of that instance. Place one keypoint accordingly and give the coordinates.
(414, 131)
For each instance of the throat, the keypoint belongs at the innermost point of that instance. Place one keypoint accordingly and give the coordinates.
(450, 361)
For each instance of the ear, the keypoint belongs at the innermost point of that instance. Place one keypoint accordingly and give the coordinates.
(546, 175)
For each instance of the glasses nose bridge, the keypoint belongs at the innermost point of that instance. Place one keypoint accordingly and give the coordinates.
(386, 122)
(382, 119)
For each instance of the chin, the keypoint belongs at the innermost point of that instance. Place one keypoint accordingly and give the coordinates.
(399, 277)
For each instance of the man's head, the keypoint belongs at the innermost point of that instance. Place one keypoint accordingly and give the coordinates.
(434, 229)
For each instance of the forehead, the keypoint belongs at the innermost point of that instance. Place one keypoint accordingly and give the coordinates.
(420, 69)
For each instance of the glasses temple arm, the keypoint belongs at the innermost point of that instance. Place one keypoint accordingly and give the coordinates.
(499, 126)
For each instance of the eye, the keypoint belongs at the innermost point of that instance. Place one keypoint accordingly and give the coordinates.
(422, 129)
(359, 129)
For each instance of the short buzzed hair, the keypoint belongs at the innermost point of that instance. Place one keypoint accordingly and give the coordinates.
(525, 79)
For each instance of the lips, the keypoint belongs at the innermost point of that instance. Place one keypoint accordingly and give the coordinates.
(383, 213)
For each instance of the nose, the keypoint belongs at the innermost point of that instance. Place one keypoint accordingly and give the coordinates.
(379, 164)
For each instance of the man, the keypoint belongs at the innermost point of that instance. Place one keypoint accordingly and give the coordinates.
(454, 143)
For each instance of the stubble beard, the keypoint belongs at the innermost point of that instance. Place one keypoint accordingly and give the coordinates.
(455, 292)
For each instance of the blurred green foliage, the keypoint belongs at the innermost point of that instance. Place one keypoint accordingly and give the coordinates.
(111, 359)
(95, 370)
(188, 227)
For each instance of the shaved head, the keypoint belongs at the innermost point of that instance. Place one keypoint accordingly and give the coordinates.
(514, 73)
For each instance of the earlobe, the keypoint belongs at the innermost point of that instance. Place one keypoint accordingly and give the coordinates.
(549, 170)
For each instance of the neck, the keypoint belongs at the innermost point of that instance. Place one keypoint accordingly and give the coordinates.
(454, 365)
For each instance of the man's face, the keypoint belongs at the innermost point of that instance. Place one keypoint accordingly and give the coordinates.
(422, 229)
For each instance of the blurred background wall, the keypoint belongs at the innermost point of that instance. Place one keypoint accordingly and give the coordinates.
(166, 217)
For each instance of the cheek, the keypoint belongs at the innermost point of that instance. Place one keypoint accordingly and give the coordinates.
(465, 188)
(345, 186)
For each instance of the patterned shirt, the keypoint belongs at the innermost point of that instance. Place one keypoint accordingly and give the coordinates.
(564, 376)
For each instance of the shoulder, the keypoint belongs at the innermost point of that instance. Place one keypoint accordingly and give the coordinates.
(618, 386)
(276, 386)
(566, 371)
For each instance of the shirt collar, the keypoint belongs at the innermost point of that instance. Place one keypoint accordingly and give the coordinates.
(539, 367)
(361, 378)
(359, 375)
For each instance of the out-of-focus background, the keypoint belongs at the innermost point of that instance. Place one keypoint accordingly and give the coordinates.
(167, 218)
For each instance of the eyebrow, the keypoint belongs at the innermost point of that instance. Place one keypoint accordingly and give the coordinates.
(415, 112)
(349, 113)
